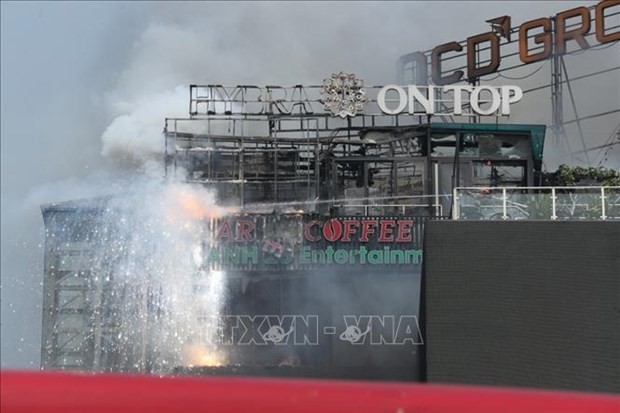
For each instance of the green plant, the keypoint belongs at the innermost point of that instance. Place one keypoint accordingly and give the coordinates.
(580, 176)
(539, 206)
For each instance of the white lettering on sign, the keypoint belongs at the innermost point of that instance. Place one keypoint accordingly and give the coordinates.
(483, 100)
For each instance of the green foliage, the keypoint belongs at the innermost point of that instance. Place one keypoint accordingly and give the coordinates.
(539, 206)
(579, 176)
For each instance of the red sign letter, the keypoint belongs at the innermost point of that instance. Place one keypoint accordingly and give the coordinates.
(307, 232)
(386, 231)
(404, 230)
(350, 228)
(244, 231)
(224, 231)
(368, 228)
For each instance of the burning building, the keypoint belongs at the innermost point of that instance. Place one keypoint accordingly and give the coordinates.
(286, 237)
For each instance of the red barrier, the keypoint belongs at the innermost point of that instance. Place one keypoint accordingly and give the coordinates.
(85, 393)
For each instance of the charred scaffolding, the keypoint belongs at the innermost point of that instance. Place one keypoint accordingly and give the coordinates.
(331, 149)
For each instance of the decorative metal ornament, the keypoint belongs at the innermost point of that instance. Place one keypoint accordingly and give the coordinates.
(344, 95)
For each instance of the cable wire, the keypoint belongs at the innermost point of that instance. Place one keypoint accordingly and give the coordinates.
(523, 77)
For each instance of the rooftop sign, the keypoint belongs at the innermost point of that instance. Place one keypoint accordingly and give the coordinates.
(538, 39)
(416, 102)
(344, 96)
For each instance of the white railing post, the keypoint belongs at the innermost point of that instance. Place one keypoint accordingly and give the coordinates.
(553, 214)
(455, 204)
(504, 214)
(436, 173)
(603, 216)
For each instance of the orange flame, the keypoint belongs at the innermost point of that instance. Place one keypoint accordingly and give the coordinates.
(194, 205)
(197, 355)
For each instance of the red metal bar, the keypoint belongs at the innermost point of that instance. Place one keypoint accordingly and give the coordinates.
(85, 393)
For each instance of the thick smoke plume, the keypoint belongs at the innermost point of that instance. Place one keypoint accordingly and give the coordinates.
(135, 134)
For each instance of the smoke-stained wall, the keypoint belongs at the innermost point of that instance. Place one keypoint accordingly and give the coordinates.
(532, 304)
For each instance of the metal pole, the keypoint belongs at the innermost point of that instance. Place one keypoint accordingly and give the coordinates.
(457, 160)
(242, 168)
(556, 97)
(572, 99)
(504, 215)
(275, 171)
(428, 162)
(436, 174)
(553, 215)
(455, 204)
(317, 165)
(603, 216)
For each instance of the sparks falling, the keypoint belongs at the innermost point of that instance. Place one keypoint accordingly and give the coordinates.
(151, 241)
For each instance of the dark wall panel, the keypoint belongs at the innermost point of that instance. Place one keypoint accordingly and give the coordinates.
(533, 304)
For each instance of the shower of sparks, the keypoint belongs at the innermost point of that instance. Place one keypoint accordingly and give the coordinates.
(149, 248)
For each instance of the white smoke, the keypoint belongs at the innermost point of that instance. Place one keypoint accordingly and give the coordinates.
(135, 135)
(165, 59)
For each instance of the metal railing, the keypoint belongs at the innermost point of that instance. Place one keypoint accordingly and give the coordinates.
(537, 203)
(401, 208)
(408, 204)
